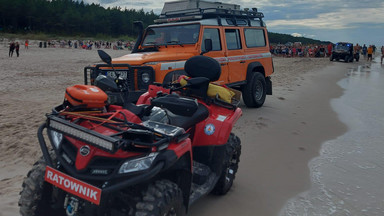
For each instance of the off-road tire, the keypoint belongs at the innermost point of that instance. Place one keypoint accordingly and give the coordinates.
(331, 57)
(231, 165)
(346, 59)
(35, 197)
(161, 198)
(255, 91)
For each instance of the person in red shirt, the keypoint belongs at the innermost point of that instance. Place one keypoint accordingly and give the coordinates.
(330, 46)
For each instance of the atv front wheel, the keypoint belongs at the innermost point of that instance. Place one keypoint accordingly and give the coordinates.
(163, 198)
(231, 165)
(38, 197)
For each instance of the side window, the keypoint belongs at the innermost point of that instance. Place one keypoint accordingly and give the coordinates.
(232, 37)
(254, 37)
(214, 35)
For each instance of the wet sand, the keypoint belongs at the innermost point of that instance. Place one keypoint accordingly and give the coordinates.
(278, 139)
(347, 176)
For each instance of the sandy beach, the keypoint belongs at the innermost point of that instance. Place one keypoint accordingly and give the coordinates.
(278, 139)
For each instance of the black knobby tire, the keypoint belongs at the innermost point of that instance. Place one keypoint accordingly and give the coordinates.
(255, 91)
(231, 165)
(161, 198)
(36, 197)
(331, 57)
(346, 59)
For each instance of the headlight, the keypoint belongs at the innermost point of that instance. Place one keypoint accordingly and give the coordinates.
(57, 138)
(138, 164)
(145, 77)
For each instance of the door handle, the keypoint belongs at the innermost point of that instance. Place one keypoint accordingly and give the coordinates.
(242, 62)
(223, 64)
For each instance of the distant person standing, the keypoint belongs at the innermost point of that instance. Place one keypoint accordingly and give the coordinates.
(330, 46)
(11, 49)
(17, 47)
(364, 51)
(382, 54)
(26, 44)
(369, 52)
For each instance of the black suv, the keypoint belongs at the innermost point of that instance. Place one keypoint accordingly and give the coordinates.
(342, 50)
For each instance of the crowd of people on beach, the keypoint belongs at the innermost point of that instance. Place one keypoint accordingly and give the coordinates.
(14, 46)
(298, 50)
(313, 50)
(286, 50)
(87, 44)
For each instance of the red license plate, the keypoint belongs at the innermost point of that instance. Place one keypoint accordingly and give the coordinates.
(72, 185)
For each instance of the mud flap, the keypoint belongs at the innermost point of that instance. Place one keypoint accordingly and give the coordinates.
(268, 82)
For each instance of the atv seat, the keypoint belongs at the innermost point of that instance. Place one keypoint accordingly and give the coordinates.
(188, 121)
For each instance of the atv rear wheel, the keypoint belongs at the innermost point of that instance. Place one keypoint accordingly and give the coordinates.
(163, 198)
(255, 91)
(231, 165)
(37, 197)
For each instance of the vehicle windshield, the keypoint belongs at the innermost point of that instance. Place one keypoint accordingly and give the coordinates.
(168, 35)
(342, 46)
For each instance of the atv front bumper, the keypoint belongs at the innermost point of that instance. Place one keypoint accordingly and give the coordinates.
(114, 183)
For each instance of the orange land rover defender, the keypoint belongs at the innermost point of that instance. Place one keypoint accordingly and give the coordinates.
(237, 39)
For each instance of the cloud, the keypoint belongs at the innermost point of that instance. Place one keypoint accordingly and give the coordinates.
(296, 35)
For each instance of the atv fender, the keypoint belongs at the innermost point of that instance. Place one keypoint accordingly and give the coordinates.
(216, 129)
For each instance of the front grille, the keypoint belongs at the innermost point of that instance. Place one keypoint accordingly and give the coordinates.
(98, 165)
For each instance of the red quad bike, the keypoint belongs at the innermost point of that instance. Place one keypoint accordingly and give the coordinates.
(153, 158)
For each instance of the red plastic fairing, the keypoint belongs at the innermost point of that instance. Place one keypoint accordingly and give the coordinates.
(181, 148)
(217, 127)
(83, 161)
(129, 115)
(151, 93)
(144, 99)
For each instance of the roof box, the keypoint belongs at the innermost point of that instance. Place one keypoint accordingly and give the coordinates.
(193, 4)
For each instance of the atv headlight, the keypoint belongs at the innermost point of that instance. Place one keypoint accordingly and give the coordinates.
(56, 138)
(138, 164)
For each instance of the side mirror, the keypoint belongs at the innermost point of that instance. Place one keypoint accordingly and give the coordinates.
(208, 46)
(104, 57)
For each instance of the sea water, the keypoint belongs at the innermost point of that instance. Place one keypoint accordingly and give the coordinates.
(347, 178)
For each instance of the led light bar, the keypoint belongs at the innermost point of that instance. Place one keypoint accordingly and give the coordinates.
(76, 131)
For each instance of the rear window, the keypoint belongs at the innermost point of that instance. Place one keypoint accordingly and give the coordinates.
(254, 37)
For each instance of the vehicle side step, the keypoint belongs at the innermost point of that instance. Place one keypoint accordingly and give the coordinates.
(200, 173)
(206, 181)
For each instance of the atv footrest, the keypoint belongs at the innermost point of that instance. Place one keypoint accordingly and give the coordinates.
(200, 173)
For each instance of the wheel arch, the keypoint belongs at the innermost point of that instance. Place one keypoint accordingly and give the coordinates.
(257, 67)
(254, 67)
(181, 174)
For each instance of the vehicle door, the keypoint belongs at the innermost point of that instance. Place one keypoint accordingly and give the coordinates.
(217, 52)
(235, 54)
(256, 48)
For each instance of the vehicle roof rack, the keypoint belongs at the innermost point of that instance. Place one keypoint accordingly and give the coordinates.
(206, 13)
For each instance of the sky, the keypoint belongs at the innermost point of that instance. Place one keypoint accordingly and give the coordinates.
(355, 21)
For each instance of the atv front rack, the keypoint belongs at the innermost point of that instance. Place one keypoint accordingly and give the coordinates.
(129, 136)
